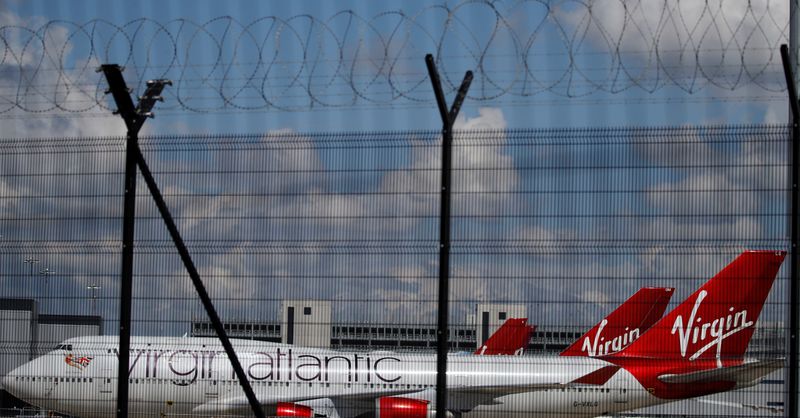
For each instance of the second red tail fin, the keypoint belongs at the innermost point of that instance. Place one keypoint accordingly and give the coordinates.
(620, 328)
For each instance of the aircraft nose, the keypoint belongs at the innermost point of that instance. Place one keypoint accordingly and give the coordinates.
(9, 382)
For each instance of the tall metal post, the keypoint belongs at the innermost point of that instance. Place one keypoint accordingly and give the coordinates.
(791, 62)
(444, 227)
(794, 38)
(794, 309)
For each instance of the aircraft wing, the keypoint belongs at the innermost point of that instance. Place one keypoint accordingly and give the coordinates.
(238, 403)
(355, 401)
(743, 374)
(351, 404)
(459, 398)
(766, 408)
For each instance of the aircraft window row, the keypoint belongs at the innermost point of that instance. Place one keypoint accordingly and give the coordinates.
(327, 384)
(239, 327)
(595, 390)
(284, 384)
(49, 379)
(392, 331)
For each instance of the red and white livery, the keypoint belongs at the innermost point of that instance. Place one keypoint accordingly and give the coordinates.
(697, 349)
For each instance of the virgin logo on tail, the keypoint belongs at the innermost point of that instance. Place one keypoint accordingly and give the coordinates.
(599, 348)
(718, 330)
(718, 320)
(624, 325)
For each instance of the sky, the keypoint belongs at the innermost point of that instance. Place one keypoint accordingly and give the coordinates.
(354, 218)
(359, 65)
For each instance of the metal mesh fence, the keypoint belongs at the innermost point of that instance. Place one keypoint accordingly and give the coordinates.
(331, 240)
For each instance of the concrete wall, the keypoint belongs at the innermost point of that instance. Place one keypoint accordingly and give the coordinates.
(490, 316)
(306, 323)
(17, 332)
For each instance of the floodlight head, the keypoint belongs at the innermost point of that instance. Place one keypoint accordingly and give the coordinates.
(161, 81)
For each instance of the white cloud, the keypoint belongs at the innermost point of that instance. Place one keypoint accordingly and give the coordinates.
(594, 296)
(301, 205)
(62, 98)
(480, 164)
(712, 193)
(688, 43)
(9, 197)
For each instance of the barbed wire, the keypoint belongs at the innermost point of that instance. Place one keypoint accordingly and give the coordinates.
(533, 49)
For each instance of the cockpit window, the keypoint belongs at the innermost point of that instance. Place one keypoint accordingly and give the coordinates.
(66, 347)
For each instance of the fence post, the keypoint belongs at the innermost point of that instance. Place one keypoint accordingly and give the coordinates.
(442, 343)
(794, 309)
(134, 119)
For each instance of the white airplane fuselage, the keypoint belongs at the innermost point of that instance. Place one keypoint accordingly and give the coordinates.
(193, 376)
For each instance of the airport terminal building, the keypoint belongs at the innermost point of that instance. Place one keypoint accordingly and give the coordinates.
(308, 323)
(26, 334)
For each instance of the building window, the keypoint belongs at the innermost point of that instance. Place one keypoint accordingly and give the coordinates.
(502, 315)
(307, 310)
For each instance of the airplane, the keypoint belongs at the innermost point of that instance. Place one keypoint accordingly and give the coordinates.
(624, 325)
(697, 349)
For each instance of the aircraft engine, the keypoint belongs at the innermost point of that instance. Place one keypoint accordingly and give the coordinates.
(396, 407)
(287, 409)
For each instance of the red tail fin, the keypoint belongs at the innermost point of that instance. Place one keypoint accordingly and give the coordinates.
(718, 320)
(631, 319)
(510, 339)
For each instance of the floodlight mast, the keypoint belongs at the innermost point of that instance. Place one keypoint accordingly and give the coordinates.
(134, 119)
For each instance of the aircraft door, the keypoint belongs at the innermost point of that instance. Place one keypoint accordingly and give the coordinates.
(47, 386)
(106, 384)
(211, 385)
(621, 396)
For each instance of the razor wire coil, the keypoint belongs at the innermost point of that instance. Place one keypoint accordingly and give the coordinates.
(526, 50)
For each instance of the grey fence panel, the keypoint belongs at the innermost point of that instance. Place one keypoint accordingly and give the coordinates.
(331, 240)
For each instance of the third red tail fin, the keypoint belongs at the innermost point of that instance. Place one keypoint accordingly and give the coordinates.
(510, 339)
